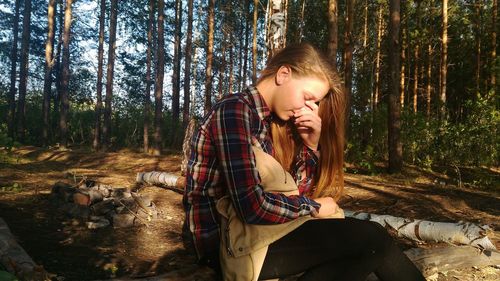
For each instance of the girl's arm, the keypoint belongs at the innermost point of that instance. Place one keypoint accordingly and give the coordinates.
(231, 130)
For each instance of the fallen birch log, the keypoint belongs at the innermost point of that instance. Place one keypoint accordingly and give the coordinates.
(15, 259)
(162, 178)
(462, 233)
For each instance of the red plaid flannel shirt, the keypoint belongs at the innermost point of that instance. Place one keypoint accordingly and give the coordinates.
(222, 162)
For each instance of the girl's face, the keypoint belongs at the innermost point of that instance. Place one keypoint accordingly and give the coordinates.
(296, 93)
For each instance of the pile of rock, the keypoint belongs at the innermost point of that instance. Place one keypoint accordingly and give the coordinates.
(102, 205)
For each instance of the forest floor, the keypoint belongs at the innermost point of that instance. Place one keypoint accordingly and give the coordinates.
(66, 248)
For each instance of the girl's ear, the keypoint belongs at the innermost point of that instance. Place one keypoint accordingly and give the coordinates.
(284, 73)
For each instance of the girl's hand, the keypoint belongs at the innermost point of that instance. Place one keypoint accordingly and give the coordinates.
(308, 124)
(328, 207)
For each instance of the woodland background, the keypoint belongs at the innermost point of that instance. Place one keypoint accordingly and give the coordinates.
(107, 75)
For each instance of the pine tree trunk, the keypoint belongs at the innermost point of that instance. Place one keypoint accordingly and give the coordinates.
(375, 95)
(63, 121)
(210, 48)
(49, 63)
(403, 64)
(416, 62)
(23, 71)
(395, 145)
(429, 80)
(222, 63)
(245, 47)
(301, 20)
(100, 61)
(231, 47)
(13, 68)
(58, 69)
(494, 72)
(176, 81)
(254, 42)
(147, 99)
(187, 64)
(444, 60)
(333, 31)
(348, 49)
(477, 7)
(106, 130)
(160, 71)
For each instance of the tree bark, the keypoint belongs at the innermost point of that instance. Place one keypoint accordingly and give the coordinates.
(444, 60)
(477, 34)
(231, 48)
(494, 72)
(245, 47)
(254, 42)
(176, 76)
(394, 140)
(376, 86)
(187, 64)
(63, 121)
(332, 31)
(416, 58)
(49, 63)
(23, 71)
(147, 100)
(403, 63)
(106, 130)
(160, 71)
(348, 49)
(13, 67)
(429, 80)
(210, 48)
(58, 69)
(100, 61)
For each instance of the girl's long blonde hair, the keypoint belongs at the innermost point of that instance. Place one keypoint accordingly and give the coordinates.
(306, 61)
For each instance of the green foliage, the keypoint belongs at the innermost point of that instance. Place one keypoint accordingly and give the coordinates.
(15, 187)
(473, 141)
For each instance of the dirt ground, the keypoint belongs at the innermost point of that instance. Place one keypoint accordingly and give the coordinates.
(66, 248)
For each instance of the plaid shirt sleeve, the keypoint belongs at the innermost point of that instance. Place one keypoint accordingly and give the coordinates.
(231, 129)
(305, 168)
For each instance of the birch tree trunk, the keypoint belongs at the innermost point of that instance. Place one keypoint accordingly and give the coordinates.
(394, 126)
(187, 64)
(210, 48)
(444, 60)
(63, 121)
(332, 31)
(276, 31)
(100, 62)
(176, 77)
(106, 132)
(160, 71)
(13, 68)
(147, 98)
(49, 63)
(23, 71)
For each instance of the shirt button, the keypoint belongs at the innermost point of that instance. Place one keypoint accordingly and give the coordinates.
(240, 249)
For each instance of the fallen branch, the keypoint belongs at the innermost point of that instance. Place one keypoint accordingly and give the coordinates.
(15, 259)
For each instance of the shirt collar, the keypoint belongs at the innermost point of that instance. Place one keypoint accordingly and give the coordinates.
(260, 104)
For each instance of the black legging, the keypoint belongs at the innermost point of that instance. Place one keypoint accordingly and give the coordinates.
(338, 249)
